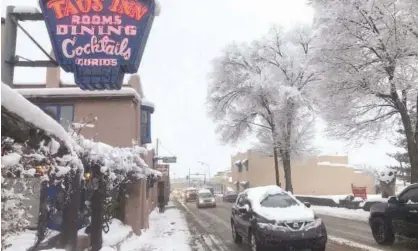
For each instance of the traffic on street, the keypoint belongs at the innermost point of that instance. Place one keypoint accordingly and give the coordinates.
(211, 230)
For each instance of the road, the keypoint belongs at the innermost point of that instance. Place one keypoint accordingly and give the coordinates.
(359, 232)
(210, 229)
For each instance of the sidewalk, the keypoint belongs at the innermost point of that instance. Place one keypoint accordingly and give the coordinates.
(168, 232)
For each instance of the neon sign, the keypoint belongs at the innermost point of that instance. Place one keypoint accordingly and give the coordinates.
(98, 40)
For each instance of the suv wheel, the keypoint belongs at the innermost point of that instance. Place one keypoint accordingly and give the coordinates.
(255, 245)
(235, 236)
(382, 232)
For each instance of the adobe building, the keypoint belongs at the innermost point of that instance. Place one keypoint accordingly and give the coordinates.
(312, 175)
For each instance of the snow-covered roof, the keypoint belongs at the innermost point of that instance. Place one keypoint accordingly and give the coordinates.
(14, 102)
(77, 92)
(146, 102)
(26, 9)
(334, 164)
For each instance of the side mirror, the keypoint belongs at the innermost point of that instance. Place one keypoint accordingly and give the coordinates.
(393, 200)
(402, 201)
(244, 209)
(307, 204)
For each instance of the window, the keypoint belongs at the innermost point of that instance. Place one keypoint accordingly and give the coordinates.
(410, 195)
(281, 200)
(245, 164)
(145, 125)
(64, 114)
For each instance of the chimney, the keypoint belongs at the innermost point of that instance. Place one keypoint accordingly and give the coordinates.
(135, 82)
(53, 75)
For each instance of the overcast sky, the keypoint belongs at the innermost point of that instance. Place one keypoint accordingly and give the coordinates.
(183, 40)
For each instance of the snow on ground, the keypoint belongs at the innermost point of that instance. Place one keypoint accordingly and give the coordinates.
(337, 198)
(352, 214)
(25, 240)
(352, 244)
(168, 232)
(117, 233)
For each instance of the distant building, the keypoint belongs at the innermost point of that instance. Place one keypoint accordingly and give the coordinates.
(313, 175)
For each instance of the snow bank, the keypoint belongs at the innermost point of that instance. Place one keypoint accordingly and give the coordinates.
(168, 231)
(352, 214)
(12, 101)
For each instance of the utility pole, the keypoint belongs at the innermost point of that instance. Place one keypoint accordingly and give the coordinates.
(189, 176)
(156, 150)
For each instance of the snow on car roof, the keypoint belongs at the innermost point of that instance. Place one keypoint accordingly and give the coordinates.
(204, 190)
(190, 188)
(257, 194)
(286, 214)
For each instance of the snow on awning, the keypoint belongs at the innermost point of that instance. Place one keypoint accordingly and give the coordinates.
(243, 183)
(77, 92)
(15, 103)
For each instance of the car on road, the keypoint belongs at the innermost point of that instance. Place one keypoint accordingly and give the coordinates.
(230, 196)
(269, 217)
(190, 194)
(397, 216)
(205, 198)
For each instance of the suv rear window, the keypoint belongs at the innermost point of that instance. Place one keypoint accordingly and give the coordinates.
(281, 200)
(205, 195)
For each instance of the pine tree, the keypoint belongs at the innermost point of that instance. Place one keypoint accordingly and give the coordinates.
(403, 170)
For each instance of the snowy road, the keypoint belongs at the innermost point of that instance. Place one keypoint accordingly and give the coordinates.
(210, 230)
(358, 231)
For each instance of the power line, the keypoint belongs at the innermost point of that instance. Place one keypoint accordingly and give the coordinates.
(170, 152)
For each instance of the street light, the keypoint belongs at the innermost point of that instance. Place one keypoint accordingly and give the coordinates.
(205, 164)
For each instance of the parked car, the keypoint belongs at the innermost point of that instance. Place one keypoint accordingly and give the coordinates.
(397, 216)
(205, 198)
(230, 196)
(190, 194)
(269, 217)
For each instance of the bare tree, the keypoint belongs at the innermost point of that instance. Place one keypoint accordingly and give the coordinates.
(265, 84)
(367, 54)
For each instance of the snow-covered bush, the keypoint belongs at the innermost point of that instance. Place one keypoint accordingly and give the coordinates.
(21, 163)
(387, 175)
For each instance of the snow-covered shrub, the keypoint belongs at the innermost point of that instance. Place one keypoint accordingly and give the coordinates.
(20, 164)
(387, 175)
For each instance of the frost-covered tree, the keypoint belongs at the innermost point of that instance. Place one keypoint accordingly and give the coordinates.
(403, 170)
(366, 52)
(264, 88)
